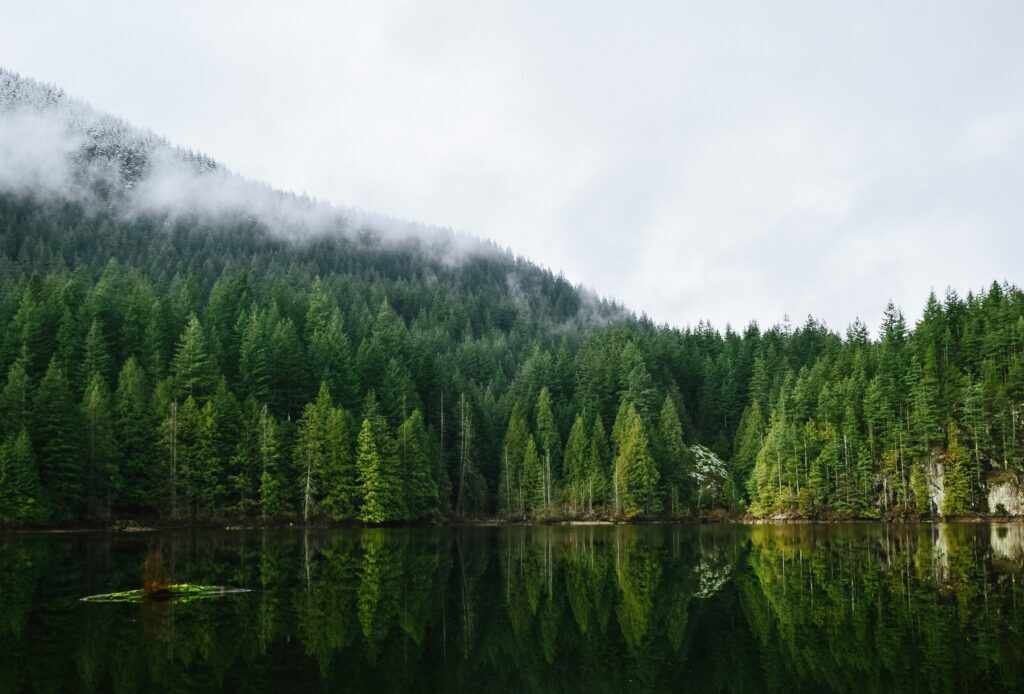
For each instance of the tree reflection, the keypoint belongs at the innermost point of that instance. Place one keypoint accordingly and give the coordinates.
(802, 608)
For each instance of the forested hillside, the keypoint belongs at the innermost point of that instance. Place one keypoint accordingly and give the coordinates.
(180, 343)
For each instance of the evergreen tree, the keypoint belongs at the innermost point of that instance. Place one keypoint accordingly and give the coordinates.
(19, 482)
(550, 444)
(373, 488)
(420, 489)
(676, 465)
(534, 492)
(511, 493)
(134, 431)
(273, 499)
(311, 451)
(55, 440)
(96, 361)
(576, 466)
(598, 467)
(193, 372)
(957, 478)
(636, 473)
(340, 478)
(253, 370)
(102, 482)
(15, 402)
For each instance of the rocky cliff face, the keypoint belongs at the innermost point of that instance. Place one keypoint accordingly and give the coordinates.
(1008, 494)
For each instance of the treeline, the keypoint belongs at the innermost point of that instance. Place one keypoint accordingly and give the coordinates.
(919, 422)
(198, 368)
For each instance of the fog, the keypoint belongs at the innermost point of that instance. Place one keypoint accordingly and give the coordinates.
(732, 162)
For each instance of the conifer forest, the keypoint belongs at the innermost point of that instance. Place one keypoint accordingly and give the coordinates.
(196, 366)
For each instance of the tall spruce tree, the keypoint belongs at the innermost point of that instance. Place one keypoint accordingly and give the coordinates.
(55, 433)
(676, 465)
(19, 482)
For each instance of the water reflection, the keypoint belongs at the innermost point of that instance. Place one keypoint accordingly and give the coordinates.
(800, 608)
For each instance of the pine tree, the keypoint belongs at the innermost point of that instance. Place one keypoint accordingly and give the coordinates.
(273, 500)
(330, 355)
(957, 477)
(253, 370)
(825, 470)
(311, 453)
(373, 488)
(676, 465)
(420, 489)
(550, 444)
(534, 492)
(598, 467)
(340, 478)
(96, 361)
(577, 451)
(193, 372)
(135, 433)
(102, 480)
(636, 473)
(15, 402)
(511, 497)
(55, 436)
(749, 439)
(19, 482)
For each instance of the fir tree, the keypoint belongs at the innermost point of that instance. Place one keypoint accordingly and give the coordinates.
(193, 372)
(598, 467)
(956, 500)
(676, 466)
(19, 482)
(134, 431)
(273, 500)
(420, 489)
(15, 402)
(102, 482)
(55, 440)
(576, 467)
(636, 473)
(511, 494)
(550, 444)
(340, 478)
(533, 492)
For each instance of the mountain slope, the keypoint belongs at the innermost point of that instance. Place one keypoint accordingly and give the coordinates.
(181, 342)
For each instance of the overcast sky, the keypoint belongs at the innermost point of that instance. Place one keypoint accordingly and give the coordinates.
(728, 161)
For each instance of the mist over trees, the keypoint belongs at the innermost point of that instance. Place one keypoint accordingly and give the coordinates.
(168, 360)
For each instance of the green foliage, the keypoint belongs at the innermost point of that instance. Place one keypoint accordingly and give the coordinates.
(577, 468)
(56, 436)
(636, 473)
(193, 372)
(957, 479)
(420, 490)
(19, 482)
(102, 478)
(237, 318)
(676, 461)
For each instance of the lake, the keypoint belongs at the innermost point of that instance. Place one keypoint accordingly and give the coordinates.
(796, 608)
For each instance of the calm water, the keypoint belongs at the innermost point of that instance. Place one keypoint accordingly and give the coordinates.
(591, 609)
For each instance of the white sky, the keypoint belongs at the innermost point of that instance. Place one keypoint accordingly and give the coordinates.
(729, 161)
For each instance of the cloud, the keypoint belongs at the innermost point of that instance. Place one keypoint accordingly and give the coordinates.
(693, 161)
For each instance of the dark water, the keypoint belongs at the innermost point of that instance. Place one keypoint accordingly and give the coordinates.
(590, 609)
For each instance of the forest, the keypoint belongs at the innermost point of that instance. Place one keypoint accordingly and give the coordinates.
(241, 353)
(189, 371)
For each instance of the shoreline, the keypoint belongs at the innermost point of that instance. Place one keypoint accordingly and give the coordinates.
(129, 527)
